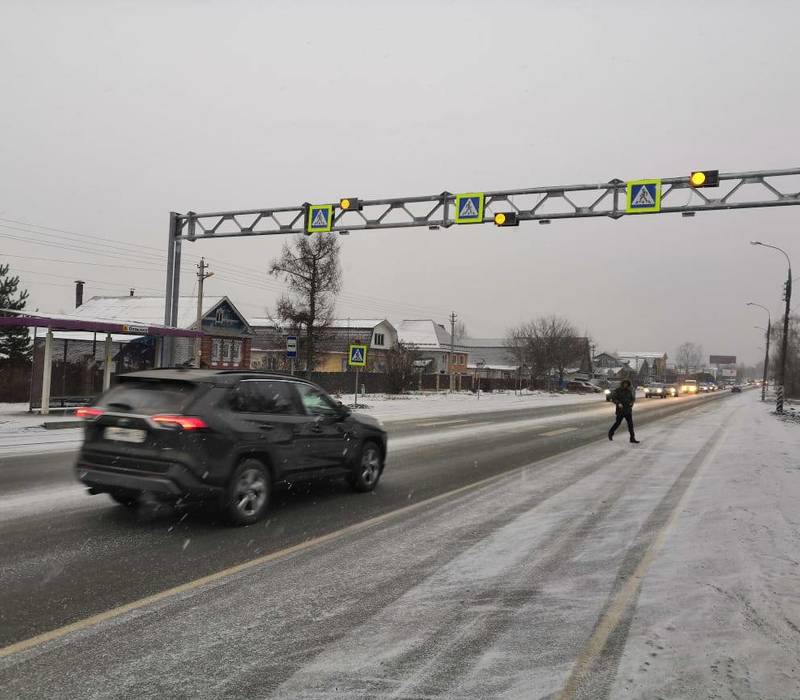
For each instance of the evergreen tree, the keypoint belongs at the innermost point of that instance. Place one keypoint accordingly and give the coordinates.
(15, 343)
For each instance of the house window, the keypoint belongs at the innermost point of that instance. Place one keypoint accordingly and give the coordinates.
(378, 339)
(237, 352)
(227, 351)
(216, 351)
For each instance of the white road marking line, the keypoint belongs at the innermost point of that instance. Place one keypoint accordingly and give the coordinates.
(560, 431)
(442, 422)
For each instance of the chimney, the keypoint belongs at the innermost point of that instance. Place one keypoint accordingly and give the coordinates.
(78, 293)
(133, 291)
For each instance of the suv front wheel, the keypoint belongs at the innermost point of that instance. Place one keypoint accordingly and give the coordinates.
(368, 469)
(248, 493)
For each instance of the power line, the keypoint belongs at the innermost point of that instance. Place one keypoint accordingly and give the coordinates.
(241, 272)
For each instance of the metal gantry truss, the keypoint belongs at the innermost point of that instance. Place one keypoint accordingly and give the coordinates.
(741, 190)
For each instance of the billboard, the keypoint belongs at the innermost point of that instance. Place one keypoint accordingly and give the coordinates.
(722, 360)
(729, 373)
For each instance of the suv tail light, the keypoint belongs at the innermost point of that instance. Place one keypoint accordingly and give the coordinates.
(89, 412)
(184, 422)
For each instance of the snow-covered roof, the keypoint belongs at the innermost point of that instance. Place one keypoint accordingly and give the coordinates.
(484, 342)
(354, 323)
(145, 310)
(643, 355)
(425, 334)
(357, 322)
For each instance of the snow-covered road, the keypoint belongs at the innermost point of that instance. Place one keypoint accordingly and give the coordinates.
(666, 570)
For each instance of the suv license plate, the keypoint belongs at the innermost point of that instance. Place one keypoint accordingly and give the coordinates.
(113, 432)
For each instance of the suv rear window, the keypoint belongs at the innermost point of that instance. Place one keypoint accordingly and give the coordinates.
(149, 396)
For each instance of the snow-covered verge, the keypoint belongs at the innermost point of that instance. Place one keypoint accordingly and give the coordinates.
(23, 432)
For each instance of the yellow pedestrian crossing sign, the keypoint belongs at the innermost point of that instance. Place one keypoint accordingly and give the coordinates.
(357, 356)
(643, 196)
(469, 208)
(319, 218)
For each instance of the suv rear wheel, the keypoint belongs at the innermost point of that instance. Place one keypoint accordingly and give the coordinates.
(248, 493)
(368, 468)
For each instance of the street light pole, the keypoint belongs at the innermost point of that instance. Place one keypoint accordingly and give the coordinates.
(766, 354)
(785, 340)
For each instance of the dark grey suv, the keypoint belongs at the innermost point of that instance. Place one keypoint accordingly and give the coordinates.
(224, 437)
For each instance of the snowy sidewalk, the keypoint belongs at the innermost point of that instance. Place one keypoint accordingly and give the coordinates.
(719, 611)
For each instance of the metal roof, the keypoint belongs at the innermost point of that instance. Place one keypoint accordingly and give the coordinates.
(63, 322)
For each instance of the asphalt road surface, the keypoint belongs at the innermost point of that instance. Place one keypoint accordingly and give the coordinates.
(66, 556)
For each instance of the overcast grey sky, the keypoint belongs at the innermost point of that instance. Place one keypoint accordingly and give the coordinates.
(115, 113)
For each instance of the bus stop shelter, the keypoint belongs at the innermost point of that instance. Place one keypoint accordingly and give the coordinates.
(55, 323)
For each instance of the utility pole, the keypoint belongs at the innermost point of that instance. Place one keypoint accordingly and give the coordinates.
(453, 318)
(766, 361)
(202, 276)
(781, 388)
(785, 341)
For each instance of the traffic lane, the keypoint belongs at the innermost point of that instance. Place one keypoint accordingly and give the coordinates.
(65, 565)
(489, 593)
(23, 472)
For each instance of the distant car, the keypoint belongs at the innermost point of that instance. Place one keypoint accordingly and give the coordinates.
(657, 390)
(222, 437)
(689, 386)
(736, 389)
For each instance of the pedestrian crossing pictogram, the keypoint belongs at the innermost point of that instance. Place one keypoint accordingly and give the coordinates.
(642, 199)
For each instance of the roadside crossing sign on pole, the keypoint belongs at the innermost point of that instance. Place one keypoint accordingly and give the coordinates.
(469, 208)
(357, 357)
(643, 196)
(319, 218)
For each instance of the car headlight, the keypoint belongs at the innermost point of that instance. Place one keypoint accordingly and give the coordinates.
(658, 391)
(607, 392)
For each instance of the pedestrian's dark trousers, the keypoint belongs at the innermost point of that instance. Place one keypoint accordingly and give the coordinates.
(627, 414)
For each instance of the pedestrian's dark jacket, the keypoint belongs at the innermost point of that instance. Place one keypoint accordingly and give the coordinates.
(624, 397)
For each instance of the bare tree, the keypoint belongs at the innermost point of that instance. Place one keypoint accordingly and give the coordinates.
(547, 344)
(310, 267)
(689, 357)
(400, 368)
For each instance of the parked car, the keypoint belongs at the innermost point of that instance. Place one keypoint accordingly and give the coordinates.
(581, 385)
(222, 437)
